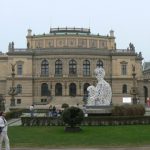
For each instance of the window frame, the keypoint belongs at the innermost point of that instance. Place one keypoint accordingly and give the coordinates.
(58, 67)
(100, 63)
(44, 68)
(44, 89)
(19, 88)
(86, 68)
(72, 67)
(19, 69)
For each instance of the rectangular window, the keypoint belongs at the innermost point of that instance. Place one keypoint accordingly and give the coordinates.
(19, 69)
(43, 100)
(18, 101)
(124, 69)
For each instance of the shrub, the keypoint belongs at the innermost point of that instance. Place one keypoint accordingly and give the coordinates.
(128, 110)
(73, 116)
(14, 113)
(117, 111)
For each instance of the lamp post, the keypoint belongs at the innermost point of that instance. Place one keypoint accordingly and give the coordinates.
(134, 88)
(13, 90)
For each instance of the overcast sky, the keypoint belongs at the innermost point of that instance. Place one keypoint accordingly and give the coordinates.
(130, 19)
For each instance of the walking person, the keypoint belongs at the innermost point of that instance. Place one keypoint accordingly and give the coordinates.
(50, 111)
(32, 110)
(3, 133)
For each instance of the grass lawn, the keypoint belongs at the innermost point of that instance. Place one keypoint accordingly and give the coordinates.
(90, 136)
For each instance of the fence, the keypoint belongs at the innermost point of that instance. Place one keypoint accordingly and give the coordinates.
(88, 121)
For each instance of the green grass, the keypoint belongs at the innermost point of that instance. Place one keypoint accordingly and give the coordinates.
(98, 136)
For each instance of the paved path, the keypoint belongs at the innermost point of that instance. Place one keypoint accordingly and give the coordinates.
(14, 122)
(130, 148)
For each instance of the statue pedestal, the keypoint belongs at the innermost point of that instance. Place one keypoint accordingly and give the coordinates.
(98, 110)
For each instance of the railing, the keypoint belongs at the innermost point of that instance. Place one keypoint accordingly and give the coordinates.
(124, 51)
(79, 30)
(20, 49)
(88, 121)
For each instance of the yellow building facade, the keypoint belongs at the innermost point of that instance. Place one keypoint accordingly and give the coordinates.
(57, 68)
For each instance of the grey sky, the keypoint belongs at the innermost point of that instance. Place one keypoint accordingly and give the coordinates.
(130, 19)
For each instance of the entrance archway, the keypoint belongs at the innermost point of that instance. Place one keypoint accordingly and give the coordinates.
(58, 89)
(72, 89)
(86, 85)
(145, 93)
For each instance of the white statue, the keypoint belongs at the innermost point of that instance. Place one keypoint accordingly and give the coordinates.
(101, 94)
(91, 95)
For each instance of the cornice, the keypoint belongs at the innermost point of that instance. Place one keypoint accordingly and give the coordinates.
(70, 35)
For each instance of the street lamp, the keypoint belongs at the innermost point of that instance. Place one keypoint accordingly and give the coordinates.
(134, 90)
(13, 90)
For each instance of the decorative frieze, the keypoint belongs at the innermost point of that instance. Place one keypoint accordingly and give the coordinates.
(82, 43)
(60, 42)
(49, 43)
(71, 42)
(39, 43)
(93, 43)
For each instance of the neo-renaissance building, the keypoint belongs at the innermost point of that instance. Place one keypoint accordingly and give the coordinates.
(57, 67)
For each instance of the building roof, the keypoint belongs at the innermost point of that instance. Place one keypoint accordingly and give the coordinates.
(69, 30)
(146, 66)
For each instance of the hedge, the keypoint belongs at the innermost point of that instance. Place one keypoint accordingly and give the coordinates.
(90, 121)
(128, 110)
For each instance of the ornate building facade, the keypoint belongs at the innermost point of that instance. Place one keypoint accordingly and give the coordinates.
(57, 68)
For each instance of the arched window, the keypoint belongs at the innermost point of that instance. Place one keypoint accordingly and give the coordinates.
(124, 67)
(72, 89)
(124, 89)
(99, 63)
(58, 89)
(85, 92)
(44, 89)
(72, 67)
(86, 68)
(19, 88)
(44, 68)
(86, 85)
(58, 67)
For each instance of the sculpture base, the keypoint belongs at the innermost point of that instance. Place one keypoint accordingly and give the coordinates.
(98, 110)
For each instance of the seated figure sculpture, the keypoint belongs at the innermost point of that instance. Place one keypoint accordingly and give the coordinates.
(101, 94)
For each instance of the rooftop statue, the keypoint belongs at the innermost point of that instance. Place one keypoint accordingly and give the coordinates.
(131, 46)
(101, 94)
(13, 67)
(11, 46)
